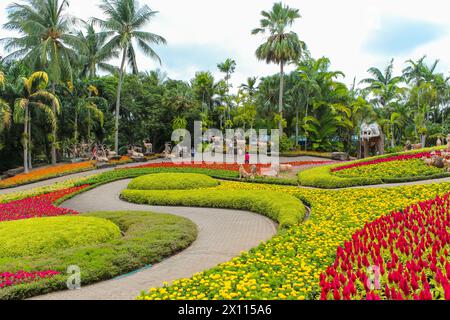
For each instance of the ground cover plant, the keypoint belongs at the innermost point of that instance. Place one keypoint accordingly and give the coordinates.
(46, 173)
(290, 265)
(394, 168)
(147, 239)
(172, 181)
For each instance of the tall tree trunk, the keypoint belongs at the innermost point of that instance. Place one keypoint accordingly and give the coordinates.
(25, 142)
(30, 164)
(54, 129)
(296, 126)
(280, 105)
(392, 137)
(119, 92)
(306, 115)
(75, 134)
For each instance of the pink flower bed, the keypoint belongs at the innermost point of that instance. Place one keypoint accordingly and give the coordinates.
(389, 159)
(35, 207)
(400, 256)
(8, 279)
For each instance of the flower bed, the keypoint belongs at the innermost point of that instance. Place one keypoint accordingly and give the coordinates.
(46, 173)
(8, 279)
(37, 206)
(402, 157)
(408, 248)
(289, 266)
(391, 170)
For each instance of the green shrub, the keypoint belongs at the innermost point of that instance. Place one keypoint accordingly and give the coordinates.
(172, 181)
(321, 177)
(31, 237)
(280, 207)
(128, 173)
(148, 239)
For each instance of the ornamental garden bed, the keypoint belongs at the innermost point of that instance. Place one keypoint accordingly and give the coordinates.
(298, 263)
(403, 167)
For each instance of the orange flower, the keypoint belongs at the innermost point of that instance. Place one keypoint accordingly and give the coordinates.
(46, 173)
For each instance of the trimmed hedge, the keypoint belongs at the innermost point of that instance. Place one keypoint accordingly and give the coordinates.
(321, 177)
(120, 174)
(31, 237)
(148, 239)
(283, 208)
(172, 181)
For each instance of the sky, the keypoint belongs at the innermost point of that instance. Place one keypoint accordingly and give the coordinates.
(354, 34)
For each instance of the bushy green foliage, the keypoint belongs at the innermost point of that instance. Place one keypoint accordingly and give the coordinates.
(147, 239)
(283, 208)
(172, 181)
(321, 177)
(31, 237)
(120, 174)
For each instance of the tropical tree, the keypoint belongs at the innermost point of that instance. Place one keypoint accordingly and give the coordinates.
(282, 46)
(125, 19)
(85, 107)
(34, 97)
(5, 110)
(250, 86)
(94, 56)
(46, 41)
(383, 85)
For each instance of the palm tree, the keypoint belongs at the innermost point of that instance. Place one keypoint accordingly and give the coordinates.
(45, 43)
(383, 85)
(125, 18)
(34, 96)
(95, 57)
(250, 86)
(314, 77)
(281, 46)
(5, 110)
(228, 67)
(85, 107)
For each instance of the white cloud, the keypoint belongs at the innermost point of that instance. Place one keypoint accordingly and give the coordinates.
(336, 29)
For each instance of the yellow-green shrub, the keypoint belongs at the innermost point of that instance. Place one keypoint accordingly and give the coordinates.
(31, 237)
(280, 207)
(172, 181)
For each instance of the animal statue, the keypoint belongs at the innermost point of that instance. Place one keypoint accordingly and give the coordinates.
(438, 142)
(409, 146)
(448, 142)
(371, 137)
(243, 174)
(148, 146)
(286, 168)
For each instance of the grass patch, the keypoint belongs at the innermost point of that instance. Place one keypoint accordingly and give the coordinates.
(31, 237)
(172, 181)
(285, 209)
(147, 239)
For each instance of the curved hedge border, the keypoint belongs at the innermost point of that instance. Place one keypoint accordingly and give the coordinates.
(322, 177)
(172, 181)
(283, 208)
(148, 238)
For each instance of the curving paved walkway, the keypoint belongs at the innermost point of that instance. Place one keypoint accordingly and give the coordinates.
(223, 234)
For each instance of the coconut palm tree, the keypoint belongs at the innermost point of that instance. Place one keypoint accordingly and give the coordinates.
(85, 106)
(383, 85)
(250, 86)
(34, 96)
(95, 57)
(5, 110)
(282, 46)
(46, 41)
(124, 20)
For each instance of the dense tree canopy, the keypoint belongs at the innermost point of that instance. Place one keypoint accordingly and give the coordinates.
(318, 110)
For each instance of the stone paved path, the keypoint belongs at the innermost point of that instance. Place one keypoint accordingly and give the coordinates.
(223, 234)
